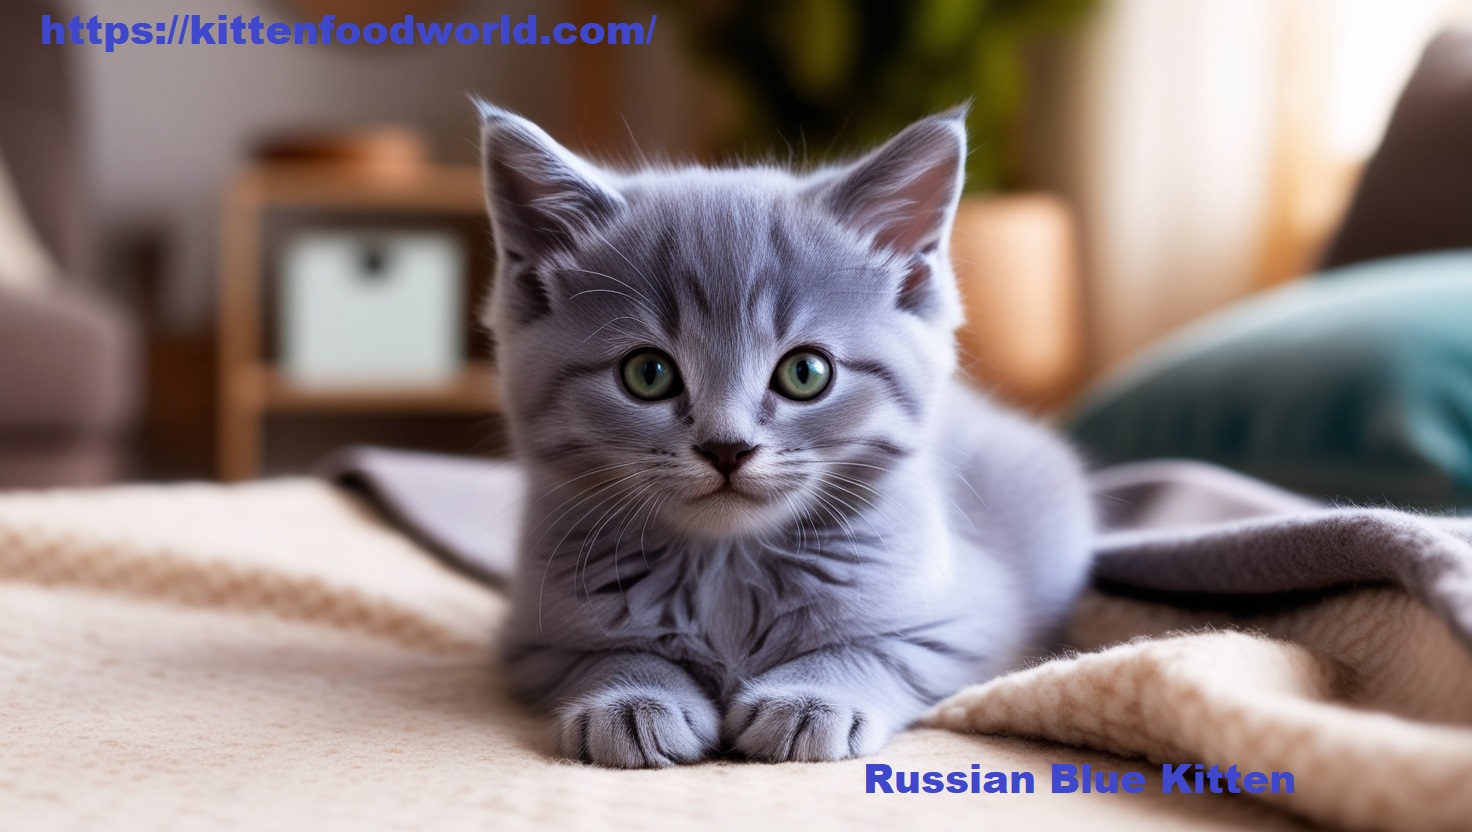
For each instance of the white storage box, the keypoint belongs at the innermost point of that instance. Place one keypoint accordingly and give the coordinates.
(372, 309)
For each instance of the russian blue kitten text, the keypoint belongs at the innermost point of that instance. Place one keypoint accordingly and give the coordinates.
(1183, 778)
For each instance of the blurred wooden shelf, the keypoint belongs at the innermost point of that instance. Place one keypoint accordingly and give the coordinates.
(473, 390)
(249, 386)
(438, 189)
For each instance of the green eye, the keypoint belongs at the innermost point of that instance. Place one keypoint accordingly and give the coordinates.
(650, 375)
(802, 375)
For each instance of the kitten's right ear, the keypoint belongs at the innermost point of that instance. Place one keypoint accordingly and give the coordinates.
(540, 195)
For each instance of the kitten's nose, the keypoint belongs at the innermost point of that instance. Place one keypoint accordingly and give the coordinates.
(725, 457)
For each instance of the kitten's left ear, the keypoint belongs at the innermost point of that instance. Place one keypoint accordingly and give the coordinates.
(903, 197)
(905, 193)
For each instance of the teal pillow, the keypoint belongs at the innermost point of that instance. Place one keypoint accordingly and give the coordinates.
(1356, 389)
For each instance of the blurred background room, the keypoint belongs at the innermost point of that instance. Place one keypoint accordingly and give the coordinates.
(1233, 230)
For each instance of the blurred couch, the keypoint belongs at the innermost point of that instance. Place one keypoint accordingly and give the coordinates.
(68, 358)
(1354, 385)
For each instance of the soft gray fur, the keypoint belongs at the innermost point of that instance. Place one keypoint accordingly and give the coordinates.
(883, 545)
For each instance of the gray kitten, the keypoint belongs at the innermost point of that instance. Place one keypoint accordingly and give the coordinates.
(763, 515)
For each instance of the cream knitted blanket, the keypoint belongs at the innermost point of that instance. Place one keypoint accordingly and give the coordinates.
(274, 656)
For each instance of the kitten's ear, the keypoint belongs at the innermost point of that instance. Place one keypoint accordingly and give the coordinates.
(540, 195)
(905, 193)
(903, 197)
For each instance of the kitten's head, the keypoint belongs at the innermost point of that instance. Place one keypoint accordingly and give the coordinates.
(726, 351)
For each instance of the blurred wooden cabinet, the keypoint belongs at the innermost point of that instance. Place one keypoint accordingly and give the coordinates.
(266, 204)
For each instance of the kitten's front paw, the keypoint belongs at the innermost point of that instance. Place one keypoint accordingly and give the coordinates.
(636, 728)
(782, 724)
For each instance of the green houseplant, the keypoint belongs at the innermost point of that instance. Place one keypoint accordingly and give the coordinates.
(839, 75)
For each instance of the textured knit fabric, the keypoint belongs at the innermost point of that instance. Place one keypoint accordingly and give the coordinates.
(273, 656)
(1366, 698)
(1279, 636)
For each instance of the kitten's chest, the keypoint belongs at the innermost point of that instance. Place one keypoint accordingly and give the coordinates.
(733, 611)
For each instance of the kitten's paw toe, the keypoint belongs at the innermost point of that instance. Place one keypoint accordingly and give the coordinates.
(800, 725)
(636, 728)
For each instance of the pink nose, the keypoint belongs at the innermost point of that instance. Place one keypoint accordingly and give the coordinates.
(725, 457)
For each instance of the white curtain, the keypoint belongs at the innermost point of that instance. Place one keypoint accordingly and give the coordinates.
(1163, 123)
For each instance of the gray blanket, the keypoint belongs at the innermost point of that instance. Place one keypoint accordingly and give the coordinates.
(1181, 532)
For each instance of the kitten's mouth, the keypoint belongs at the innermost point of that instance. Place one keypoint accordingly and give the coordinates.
(730, 510)
(729, 491)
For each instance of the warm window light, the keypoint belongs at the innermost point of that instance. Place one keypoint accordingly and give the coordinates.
(1374, 45)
